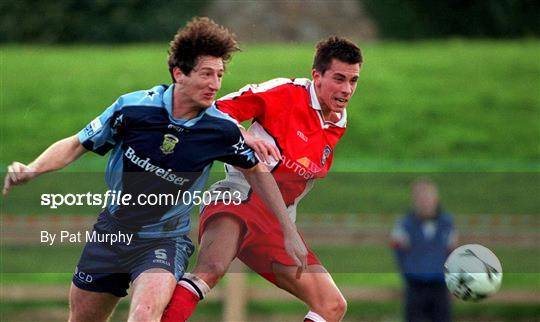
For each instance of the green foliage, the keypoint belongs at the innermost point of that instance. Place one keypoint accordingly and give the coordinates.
(68, 21)
(109, 21)
(415, 19)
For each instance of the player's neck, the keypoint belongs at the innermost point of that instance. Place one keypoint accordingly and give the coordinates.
(329, 116)
(184, 107)
(185, 113)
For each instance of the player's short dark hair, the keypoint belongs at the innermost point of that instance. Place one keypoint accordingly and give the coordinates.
(335, 48)
(200, 37)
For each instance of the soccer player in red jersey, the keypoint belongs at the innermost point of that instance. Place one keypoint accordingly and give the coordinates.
(296, 125)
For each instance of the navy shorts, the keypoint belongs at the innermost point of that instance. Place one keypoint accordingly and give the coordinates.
(109, 267)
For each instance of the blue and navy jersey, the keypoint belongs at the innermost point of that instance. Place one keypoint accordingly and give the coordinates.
(153, 153)
(423, 246)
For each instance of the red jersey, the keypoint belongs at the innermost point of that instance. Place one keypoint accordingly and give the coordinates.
(286, 113)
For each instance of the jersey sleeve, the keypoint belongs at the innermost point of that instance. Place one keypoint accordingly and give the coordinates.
(399, 237)
(245, 104)
(236, 152)
(102, 134)
(400, 242)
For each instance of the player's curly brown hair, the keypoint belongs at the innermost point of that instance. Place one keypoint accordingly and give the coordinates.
(200, 37)
(338, 48)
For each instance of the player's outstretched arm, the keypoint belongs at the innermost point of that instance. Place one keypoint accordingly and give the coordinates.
(55, 157)
(263, 149)
(263, 183)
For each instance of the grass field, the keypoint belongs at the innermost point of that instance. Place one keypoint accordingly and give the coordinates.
(361, 265)
(265, 312)
(465, 112)
(464, 104)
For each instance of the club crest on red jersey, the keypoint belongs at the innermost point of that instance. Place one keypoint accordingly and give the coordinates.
(326, 153)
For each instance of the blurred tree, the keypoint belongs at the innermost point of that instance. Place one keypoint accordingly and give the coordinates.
(101, 21)
(64, 21)
(293, 21)
(410, 19)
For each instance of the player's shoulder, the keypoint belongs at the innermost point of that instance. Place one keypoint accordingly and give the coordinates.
(445, 217)
(220, 119)
(222, 123)
(284, 82)
(283, 85)
(272, 86)
(152, 97)
(409, 219)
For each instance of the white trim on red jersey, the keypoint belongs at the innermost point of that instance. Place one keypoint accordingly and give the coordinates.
(263, 87)
(317, 106)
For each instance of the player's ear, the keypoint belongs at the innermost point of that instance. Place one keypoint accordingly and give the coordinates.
(177, 74)
(316, 77)
(315, 74)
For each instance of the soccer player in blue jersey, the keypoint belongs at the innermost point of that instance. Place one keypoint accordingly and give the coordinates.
(163, 140)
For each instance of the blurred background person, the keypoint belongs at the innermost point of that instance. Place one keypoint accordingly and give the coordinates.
(422, 239)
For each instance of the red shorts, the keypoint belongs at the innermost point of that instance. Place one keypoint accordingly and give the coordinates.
(262, 244)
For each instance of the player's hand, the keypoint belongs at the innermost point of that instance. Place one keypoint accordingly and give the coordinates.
(17, 174)
(295, 247)
(263, 149)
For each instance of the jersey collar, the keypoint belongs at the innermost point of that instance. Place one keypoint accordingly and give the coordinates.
(167, 101)
(317, 106)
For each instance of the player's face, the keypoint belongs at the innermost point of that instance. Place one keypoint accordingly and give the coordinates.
(426, 201)
(200, 87)
(336, 86)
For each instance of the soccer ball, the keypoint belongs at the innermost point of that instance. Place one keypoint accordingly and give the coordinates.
(472, 272)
